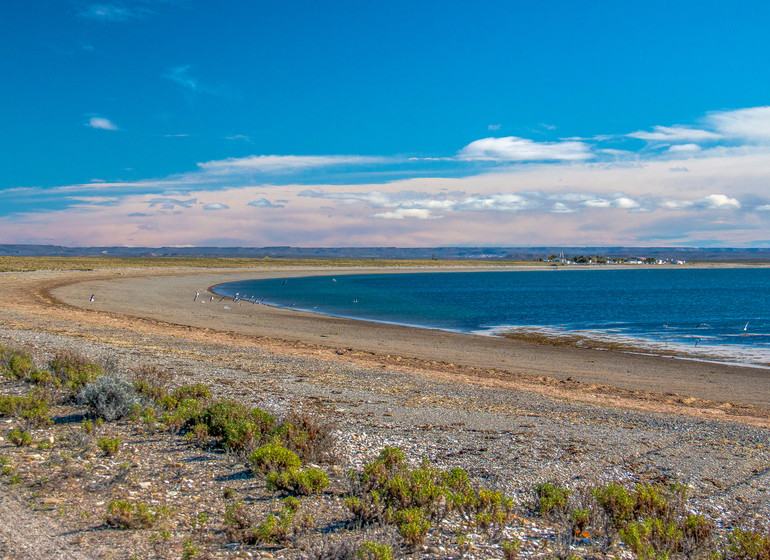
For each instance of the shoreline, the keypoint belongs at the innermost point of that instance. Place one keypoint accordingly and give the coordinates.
(639, 382)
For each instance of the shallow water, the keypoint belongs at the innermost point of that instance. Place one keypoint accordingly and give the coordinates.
(721, 314)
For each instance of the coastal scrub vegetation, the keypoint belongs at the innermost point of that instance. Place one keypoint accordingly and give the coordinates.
(27, 264)
(284, 489)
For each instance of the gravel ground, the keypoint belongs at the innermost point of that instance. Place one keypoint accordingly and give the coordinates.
(509, 440)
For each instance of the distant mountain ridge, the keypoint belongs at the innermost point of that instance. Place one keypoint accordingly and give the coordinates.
(437, 253)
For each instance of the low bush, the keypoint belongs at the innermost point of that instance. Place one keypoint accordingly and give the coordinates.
(109, 397)
(122, 514)
(550, 499)
(74, 371)
(19, 365)
(275, 528)
(412, 525)
(303, 482)
(109, 446)
(749, 544)
(274, 457)
(20, 438)
(510, 548)
(387, 486)
(237, 427)
(371, 550)
(309, 437)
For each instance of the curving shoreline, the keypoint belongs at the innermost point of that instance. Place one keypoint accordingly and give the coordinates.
(589, 375)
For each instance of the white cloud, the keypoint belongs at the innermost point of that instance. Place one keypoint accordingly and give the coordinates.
(512, 148)
(494, 127)
(496, 203)
(720, 201)
(169, 203)
(276, 164)
(215, 206)
(684, 148)
(403, 213)
(113, 12)
(675, 134)
(264, 203)
(561, 208)
(709, 202)
(625, 202)
(181, 75)
(101, 123)
(751, 124)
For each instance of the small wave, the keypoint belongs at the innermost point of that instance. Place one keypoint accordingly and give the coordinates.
(690, 346)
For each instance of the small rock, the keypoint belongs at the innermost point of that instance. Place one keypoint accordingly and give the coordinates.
(145, 485)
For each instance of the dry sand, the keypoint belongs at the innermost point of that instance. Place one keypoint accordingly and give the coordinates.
(160, 299)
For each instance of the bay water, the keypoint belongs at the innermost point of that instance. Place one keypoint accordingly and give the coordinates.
(718, 314)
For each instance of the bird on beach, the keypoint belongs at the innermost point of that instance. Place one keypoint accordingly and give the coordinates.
(223, 298)
(197, 293)
(92, 297)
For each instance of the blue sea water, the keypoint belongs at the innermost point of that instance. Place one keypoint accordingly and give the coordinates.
(721, 314)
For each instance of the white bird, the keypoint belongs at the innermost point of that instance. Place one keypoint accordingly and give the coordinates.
(92, 297)
(746, 326)
(197, 293)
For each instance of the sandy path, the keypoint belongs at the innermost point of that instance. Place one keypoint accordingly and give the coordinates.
(566, 372)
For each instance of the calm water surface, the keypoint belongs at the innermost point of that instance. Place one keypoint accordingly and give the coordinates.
(719, 314)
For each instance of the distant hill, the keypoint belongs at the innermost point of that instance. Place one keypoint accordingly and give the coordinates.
(438, 253)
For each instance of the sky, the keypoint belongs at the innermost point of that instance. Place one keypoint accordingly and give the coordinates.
(402, 123)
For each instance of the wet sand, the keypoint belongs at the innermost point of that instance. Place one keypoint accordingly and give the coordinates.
(165, 300)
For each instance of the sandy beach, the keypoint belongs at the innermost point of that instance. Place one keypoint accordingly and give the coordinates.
(581, 374)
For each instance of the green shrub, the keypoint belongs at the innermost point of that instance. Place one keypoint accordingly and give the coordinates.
(87, 426)
(153, 392)
(510, 549)
(298, 481)
(617, 503)
(44, 378)
(306, 435)
(652, 538)
(237, 427)
(20, 438)
(109, 446)
(123, 514)
(412, 525)
(747, 544)
(189, 550)
(33, 408)
(74, 371)
(650, 501)
(19, 365)
(274, 457)
(109, 397)
(275, 528)
(371, 550)
(550, 499)
(45, 445)
(199, 391)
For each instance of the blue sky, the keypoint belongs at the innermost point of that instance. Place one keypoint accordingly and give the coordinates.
(409, 123)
